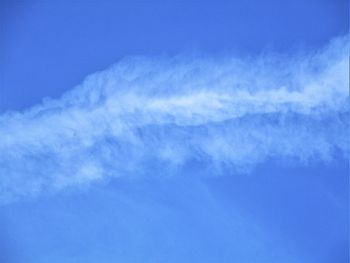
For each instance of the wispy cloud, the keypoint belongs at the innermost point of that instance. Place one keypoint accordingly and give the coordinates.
(145, 115)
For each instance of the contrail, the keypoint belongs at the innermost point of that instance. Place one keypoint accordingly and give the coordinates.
(161, 115)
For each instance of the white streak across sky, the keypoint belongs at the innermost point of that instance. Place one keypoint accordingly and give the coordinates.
(159, 114)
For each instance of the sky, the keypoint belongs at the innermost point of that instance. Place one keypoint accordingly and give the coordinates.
(174, 131)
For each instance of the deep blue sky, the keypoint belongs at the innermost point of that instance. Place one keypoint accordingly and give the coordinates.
(47, 47)
(279, 212)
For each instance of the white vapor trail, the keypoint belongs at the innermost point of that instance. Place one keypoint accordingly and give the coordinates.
(156, 116)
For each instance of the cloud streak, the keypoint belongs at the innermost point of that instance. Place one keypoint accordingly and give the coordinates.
(154, 117)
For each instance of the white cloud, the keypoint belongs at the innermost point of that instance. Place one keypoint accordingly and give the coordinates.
(146, 113)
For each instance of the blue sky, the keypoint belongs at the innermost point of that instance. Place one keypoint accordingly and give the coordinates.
(159, 131)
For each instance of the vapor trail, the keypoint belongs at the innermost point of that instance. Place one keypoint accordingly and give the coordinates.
(157, 116)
